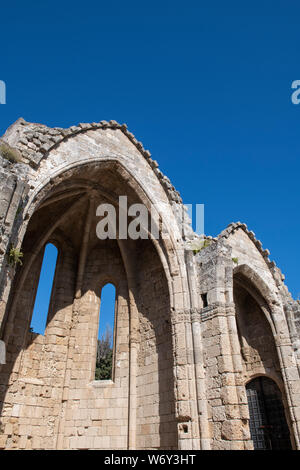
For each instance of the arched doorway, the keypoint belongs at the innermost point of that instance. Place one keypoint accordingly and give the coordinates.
(268, 426)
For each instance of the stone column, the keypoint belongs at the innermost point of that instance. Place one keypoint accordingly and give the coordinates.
(185, 392)
(134, 341)
(195, 302)
(290, 375)
(205, 437)
(226, 396)
(75, 313)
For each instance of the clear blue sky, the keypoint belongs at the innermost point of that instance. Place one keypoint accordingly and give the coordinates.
(43, 294)
(206, 86)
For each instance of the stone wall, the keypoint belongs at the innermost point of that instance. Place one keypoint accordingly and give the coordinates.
(156, 423)
(227, 403)
(96, 412)
(14, 189)
(53, 399)
(246, 333)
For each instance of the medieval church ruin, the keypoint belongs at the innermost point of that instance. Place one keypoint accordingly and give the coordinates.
(206, 342)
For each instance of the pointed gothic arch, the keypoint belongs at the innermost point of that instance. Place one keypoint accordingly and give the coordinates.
(68, 206)
(257, 327)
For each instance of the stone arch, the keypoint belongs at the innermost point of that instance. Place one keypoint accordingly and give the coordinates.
(58, 214)
(263, 335)
(259, 289)
(251, 281)
(269, 375)
(39, 140)
(167, 248)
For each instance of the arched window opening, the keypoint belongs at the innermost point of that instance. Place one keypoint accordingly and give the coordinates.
(268, 426)
(105, 342)
(44, 290)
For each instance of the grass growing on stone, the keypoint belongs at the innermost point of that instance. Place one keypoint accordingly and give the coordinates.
(9, 153)
(198, 245)
(14, 257)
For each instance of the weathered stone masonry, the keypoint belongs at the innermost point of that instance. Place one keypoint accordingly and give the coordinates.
(192, 330)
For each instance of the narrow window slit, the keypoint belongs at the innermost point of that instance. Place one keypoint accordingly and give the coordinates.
(44, 290)
(105, 341)
(204, 300)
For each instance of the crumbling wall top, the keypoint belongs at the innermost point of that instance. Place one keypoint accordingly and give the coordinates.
(35, 141)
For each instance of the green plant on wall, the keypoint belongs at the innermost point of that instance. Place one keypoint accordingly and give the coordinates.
(104, 367)
(235, 260)
(14, 256)
(198, 245)
(19, 210)
(104, 356)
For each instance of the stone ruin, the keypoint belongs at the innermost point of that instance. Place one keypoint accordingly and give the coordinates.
(206, 342)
